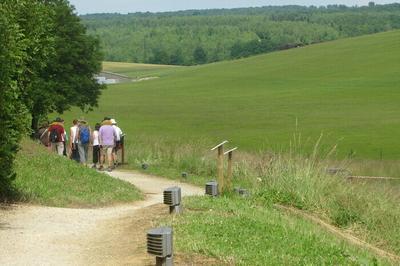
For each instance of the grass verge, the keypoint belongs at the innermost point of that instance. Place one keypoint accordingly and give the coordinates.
(238, 231)
(48, 179)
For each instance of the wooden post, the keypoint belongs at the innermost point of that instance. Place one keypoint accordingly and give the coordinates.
(220, 165)
(230, 169)
(220, 169)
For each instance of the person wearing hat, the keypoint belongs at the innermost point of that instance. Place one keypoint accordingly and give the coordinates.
(118, 137)
(56, 136)
(107, 137)
(83, 139)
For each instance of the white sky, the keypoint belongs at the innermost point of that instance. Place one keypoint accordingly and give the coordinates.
(130, 6)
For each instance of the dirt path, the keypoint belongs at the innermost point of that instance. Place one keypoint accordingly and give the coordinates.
(35, 235)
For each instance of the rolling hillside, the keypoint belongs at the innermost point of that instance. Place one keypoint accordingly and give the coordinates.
(348, 90)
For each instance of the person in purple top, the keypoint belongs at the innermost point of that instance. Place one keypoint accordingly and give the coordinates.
(107, 136)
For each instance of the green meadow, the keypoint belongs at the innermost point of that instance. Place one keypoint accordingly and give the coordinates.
(286, 111)
(139, 70)
(346, 90)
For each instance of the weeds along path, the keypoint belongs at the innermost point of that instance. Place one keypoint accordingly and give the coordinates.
(36, 235)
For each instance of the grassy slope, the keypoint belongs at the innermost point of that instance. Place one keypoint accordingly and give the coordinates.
(48, 179)
(139, 70)
(319, 85)
(239, 232)
(347, 89)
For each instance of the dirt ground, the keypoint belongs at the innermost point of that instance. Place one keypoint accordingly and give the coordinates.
(37, 235)
(127, 244)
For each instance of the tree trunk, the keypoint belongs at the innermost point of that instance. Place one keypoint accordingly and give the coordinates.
(34, 125)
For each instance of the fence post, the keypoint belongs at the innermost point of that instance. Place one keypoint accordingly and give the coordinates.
(220, 165)
(230, 169)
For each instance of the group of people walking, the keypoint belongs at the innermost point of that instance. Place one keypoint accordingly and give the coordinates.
(106, 139)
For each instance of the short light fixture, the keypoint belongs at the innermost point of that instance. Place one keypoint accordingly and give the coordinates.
(212, 188)
(242, 192)
(172, 198)
(159, 244)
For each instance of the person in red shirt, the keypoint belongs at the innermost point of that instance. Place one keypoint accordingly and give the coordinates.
(56, 136)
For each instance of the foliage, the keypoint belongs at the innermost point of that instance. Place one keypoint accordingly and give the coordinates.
(47, 64)
(47, 179)
(13, 114)
(67, 78)
(177, 37)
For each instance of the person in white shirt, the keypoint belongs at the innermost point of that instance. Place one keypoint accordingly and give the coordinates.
(73, 143)
(118, 134)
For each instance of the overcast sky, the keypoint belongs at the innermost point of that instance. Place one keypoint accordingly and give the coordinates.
(129, 6)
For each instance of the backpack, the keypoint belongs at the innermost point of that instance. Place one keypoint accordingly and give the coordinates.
(84, 135)
(54, 136)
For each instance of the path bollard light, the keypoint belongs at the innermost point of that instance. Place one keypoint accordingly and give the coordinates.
(159, 244)
(242, 192)
(220, 165)
(212, 188)
(172, 198)
(184, 174)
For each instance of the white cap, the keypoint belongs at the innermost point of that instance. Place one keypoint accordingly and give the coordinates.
(113, 121)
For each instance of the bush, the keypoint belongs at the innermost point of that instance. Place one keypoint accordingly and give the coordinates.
(13, 116)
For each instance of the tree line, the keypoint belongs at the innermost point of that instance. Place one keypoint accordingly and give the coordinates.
(47, 65)
(205, 36)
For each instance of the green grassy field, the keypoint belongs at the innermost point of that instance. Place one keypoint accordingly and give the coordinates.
(139, 70)
(347, 90)
(48, 179)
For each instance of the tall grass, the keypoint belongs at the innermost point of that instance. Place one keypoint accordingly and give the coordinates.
(298, 178)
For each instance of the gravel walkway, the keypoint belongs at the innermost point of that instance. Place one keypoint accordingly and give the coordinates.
(36, 235)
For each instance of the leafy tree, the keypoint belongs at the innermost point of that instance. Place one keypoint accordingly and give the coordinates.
(199, 55)
(159, 57)
(176, 58)
(34, 19)
(231, 33)
(13, 114)
(68, 78)
(47, 64)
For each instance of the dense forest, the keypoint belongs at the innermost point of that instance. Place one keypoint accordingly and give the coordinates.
(204, 36)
